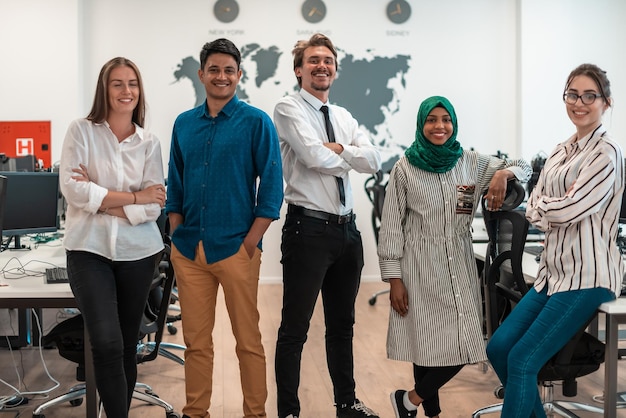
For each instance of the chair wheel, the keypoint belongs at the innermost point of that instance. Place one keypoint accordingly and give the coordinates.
(172, 329)
(499, 392)
(76, 402)
(39, 416)
(372, 301)
(171, 415)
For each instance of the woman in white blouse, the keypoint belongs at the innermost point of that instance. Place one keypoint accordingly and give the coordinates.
(111, 175)
(425, 252)
(576, 202)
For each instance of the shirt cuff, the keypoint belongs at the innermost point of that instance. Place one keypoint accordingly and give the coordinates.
(389, 269)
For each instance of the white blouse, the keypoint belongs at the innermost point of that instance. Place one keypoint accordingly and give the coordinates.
(130, 165)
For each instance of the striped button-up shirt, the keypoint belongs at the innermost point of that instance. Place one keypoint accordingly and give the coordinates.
(576, 202)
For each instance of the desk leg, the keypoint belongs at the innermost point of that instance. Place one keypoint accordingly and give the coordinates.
(610, 367)
(90, 381)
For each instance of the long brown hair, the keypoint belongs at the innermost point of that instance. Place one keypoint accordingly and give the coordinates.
(100, 108)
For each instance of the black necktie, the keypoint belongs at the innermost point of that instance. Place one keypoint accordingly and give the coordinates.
(331, 137)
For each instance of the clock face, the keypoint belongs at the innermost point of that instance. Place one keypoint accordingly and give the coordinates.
(313, 11)
(398, 11)
(226, 10)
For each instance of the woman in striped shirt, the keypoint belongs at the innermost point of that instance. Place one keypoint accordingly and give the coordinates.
(576, 202)
(425, 251)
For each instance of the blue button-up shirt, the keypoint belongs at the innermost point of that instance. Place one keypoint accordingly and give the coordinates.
(213, 171)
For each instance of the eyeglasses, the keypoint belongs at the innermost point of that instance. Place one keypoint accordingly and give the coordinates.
(586, 98)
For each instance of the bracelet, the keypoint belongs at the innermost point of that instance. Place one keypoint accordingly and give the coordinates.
(134, 198)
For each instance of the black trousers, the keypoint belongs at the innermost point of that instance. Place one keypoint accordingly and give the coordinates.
(317, 255)
(428, 381)
(112, 297)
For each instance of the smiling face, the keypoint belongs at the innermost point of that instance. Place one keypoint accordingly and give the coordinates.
(438, 126)
(220, 77)
(585, 117)
(318, 71)
(123, 90)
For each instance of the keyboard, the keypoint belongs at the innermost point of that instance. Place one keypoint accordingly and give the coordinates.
(56, 275)
(533, 249)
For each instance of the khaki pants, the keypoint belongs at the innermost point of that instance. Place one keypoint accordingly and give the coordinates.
(198, 284)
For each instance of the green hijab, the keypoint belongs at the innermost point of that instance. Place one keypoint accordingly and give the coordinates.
(426, 155)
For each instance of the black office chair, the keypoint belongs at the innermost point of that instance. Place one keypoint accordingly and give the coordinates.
(149, 337)
(504, 286)
(375, 187)
(68, 337)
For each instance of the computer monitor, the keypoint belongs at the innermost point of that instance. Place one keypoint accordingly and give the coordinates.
(24, 163)
(30, 204)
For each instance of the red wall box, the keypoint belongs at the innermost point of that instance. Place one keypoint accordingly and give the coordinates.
(20, 138)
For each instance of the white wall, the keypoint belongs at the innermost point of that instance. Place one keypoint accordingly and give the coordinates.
(557, 36)
(502, 63)
(39, 63)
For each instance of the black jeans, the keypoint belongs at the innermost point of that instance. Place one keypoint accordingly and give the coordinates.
(111, 297)
(317, 256)
(428, 381)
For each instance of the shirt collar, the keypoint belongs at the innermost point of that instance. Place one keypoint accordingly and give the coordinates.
(312, 100)
(139, 131)
(228, 109)
(573, 143)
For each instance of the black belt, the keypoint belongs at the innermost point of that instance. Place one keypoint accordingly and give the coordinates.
(332, 218)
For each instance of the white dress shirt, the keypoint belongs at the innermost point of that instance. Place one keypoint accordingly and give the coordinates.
(576, 202)
(127, 166)
(309, 167)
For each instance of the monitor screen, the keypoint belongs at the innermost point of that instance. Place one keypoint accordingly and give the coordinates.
(30, 204)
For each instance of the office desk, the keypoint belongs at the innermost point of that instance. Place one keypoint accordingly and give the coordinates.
(32, 292)
(615, 314)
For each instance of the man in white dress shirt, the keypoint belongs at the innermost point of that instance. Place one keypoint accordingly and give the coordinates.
(321, 246)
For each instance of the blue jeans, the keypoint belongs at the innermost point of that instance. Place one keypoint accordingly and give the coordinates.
(111, 296)
(537, 328)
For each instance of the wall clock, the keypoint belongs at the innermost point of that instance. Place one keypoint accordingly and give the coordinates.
(226, 10)
(398, 11)
(313, 11)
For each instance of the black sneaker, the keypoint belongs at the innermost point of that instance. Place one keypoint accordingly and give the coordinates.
(397, 402)
(356, 410)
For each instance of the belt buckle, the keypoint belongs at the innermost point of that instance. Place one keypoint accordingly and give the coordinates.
(342, 219)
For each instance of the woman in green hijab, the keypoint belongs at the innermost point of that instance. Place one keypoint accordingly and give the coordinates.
(425, 253)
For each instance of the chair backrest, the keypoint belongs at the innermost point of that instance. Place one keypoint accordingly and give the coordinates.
(3, 194)
(375, 187)
(503, 277)
(156, 317)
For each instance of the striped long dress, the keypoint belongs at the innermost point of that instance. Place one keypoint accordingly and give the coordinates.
(425, 239)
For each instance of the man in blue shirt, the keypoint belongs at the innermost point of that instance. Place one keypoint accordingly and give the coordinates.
(224, 189)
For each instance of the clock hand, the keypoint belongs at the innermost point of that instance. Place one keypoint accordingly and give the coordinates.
(397, 11)
(314, 11)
